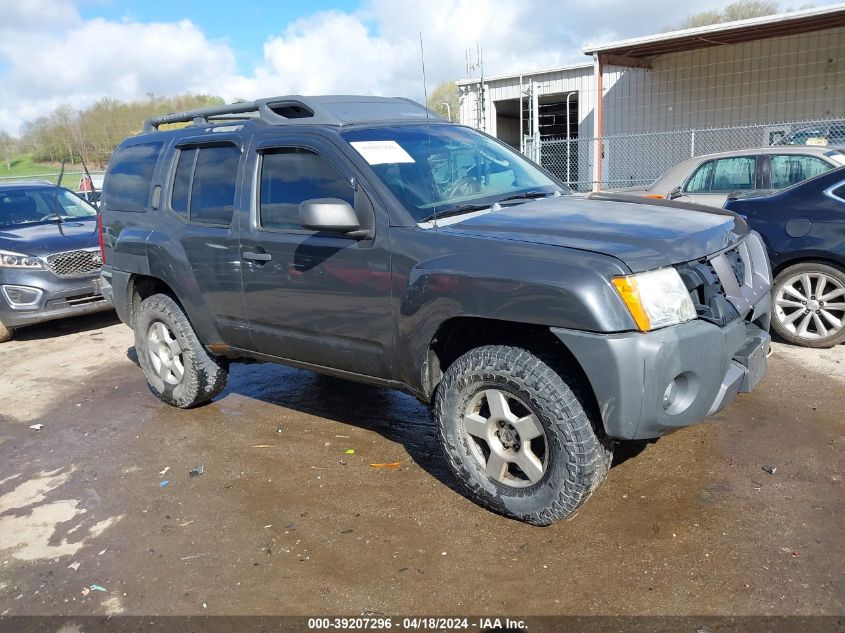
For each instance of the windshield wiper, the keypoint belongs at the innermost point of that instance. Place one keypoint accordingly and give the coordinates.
(464, 208)
(528, 195)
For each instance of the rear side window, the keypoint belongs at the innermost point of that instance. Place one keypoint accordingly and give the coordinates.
(292, 175)
(204, 184)
(127, 186)
(788, 169)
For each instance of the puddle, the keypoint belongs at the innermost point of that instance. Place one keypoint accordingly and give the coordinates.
(31, 529)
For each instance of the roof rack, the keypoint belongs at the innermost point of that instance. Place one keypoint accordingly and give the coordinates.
(295, 109)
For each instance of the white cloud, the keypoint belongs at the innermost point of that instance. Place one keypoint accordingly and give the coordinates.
(43, 68)
(40, 14)
(50, 56)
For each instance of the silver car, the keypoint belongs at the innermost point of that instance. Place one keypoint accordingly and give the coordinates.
(710, 178)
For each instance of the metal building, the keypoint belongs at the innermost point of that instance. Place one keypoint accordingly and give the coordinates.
(669, 96)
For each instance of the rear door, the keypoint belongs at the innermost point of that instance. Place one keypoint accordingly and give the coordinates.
(317, 298)
(201, 202)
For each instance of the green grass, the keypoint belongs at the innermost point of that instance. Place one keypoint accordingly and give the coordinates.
(23, 167)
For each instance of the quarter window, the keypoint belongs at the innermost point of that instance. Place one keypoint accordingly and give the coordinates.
(789, 169)
(292, 175)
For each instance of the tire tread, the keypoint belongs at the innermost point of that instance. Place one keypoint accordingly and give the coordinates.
(559, 395)
(205, 375)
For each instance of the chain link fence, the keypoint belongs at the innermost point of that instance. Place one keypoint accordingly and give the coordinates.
(633, 160)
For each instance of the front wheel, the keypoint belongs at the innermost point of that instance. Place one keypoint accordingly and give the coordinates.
(178, 369)
(518, 436)
(809, 305)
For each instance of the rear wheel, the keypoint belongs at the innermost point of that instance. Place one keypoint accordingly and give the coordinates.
(517, 434)
(6, 333)
(809, 305)
(178, 368)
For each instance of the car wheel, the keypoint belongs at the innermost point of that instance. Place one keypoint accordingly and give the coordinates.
(809, 305)
(518, 436)
(6, 333)
(178, 369)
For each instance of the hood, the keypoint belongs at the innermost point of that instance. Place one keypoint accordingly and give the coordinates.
(42, 239)
(643, 236)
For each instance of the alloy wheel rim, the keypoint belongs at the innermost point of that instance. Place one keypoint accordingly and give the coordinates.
(506, 438)
(165, 355)
(811, 305)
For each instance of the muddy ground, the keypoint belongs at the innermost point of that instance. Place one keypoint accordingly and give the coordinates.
(284, 521)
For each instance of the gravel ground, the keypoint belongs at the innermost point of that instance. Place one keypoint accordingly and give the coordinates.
(742, 515)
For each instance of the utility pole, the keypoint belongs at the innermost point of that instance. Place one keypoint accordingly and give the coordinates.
(473, 64)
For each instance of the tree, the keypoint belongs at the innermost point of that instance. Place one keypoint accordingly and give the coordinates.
(445, 93)
(8, 148)
(91, 135)
(739, 10)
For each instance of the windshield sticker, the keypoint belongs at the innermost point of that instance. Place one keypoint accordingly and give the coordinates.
(381, 152)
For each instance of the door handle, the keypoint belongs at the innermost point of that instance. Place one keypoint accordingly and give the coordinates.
(257, 257)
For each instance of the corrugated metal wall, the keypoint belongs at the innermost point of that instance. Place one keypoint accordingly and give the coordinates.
(788, 78)
(579, 79)
(776, 80)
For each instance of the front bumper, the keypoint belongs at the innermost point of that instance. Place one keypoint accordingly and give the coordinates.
(650, 384)
(58, 298)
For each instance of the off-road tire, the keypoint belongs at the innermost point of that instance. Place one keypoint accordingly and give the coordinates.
(812, 268)
(204, 375)
(579, 454)
(6, 333)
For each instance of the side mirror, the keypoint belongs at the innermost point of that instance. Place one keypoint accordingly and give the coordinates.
(675, 193)
(329, 215)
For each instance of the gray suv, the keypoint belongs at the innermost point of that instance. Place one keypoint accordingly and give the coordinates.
(369, 239)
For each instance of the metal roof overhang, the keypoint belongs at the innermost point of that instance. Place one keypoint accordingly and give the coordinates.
(719, 34)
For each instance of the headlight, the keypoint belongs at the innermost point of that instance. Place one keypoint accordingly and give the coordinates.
(656, 299)
(16, 260)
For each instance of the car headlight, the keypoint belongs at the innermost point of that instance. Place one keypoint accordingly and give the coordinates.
(16, 260)
(656, 299)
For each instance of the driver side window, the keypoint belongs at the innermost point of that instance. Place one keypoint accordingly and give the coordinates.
(700, 181)
(291, 175)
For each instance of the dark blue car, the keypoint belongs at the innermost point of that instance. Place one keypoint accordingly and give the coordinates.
(50, 256)
(804, 229)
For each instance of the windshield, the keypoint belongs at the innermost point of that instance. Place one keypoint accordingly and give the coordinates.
(444, 168)
(41, 204)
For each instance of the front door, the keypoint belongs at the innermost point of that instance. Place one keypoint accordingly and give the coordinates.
(715, 179)
(317, 298)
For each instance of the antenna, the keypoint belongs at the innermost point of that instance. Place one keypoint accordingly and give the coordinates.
(472, 65)
(427, 122)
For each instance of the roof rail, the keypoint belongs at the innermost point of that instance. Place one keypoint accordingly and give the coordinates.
(295, 109)
(200, 115)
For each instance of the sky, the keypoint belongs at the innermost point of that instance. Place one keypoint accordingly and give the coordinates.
(74, 52)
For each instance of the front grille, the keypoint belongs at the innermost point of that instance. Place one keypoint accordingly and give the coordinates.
(737, 264)
(729, 283)
(75, 263)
